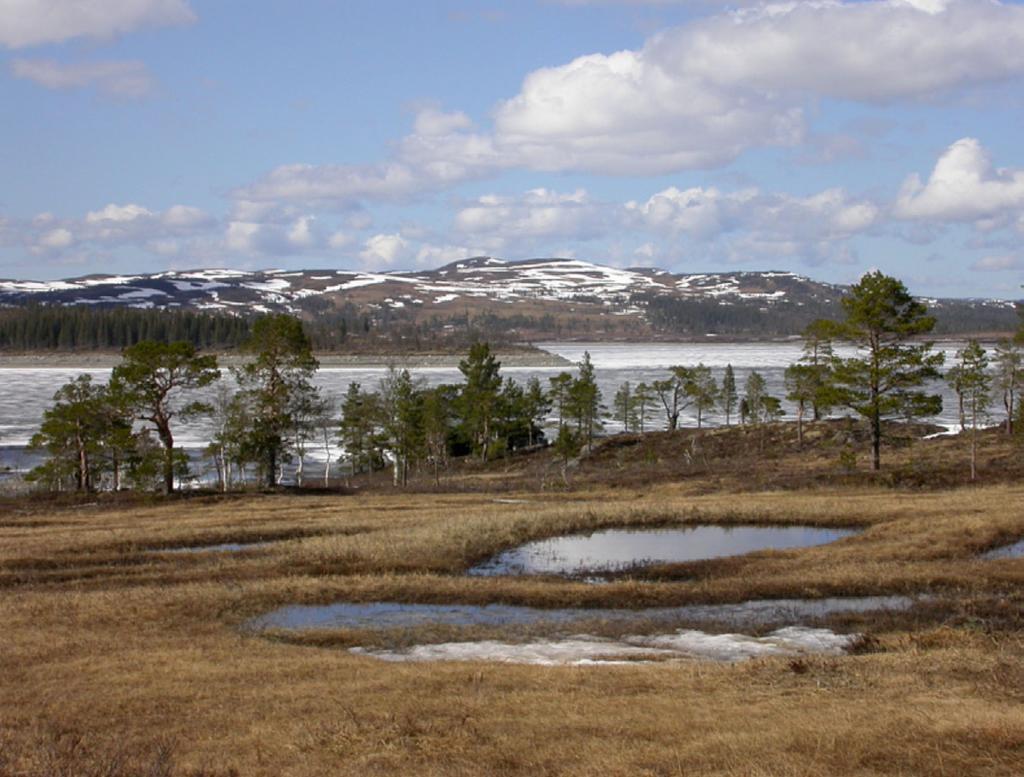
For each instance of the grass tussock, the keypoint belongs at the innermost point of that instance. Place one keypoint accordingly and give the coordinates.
(117, 660)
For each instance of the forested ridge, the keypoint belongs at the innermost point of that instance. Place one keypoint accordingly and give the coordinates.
(348, 327)
(87, 328)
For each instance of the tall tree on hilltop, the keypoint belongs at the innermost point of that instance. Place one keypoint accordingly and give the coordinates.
(886, 378)
(153, 377)
(280, 368)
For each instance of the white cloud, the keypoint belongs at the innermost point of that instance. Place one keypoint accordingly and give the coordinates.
(241, 236)
(384, 251)
(627, 114)
(333, 183)
(185, 217)
(33, 22)
(537, 213)
(117, 213)
(705, 214)
(699, 95)
(964, 186)
(692, 97)
(115, 225)
(434, 121)
(301, 234)
(429, 255)
(57, 238)
(339, 240)
(118, 79)
(999, 263)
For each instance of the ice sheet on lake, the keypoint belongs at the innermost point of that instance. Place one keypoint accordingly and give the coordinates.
(584, 649)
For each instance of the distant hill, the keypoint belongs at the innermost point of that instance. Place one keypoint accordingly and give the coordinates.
(500, 300)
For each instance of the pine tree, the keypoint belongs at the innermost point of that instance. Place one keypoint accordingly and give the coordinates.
(401, 414)
(802, 388)
(152, 378)
(537, 405)
(623, 408)
(358, 436)
(885, 379)
(672, 392)
(818, 354)
(643, 405)
(281, 366)
(729, 397)
(70, 433)
(974, 385)
(1009, 378)
(479, 398)
(560, 385)
(585, 402)
(702, 391)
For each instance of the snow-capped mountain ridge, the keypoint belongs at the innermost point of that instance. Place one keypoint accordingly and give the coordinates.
(529, 299)
(477, 277)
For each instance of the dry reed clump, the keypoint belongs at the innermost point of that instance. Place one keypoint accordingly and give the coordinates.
(138, 662)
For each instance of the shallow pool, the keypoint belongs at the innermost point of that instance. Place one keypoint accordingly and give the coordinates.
(1016, 550)
(387, 615)
(615, 549)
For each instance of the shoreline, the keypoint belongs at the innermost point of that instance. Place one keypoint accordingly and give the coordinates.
(327, 361)
(532, 356)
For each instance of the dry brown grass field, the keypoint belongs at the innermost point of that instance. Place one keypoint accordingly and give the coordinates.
(119, 658)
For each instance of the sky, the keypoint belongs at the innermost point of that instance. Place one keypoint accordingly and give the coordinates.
(824, 137)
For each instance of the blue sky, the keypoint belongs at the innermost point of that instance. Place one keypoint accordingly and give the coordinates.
(823, 137)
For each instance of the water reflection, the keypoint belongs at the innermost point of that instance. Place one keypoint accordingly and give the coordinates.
(223, 547)
(387, 615)
(619, 548)
(1016, 550)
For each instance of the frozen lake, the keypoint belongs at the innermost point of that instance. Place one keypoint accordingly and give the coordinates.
(25, 392)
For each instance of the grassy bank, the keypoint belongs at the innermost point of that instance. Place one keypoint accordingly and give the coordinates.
(121, 658)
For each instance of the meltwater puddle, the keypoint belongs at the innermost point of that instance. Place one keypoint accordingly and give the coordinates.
(616, 549)
(389, 615)
(1016, 550)
(583, 649)
(223, 547)
(680, 644)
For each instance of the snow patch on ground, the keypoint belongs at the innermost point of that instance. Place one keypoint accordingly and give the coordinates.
(685, 644)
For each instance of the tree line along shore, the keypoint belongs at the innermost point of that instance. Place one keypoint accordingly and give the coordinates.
(122, 435)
